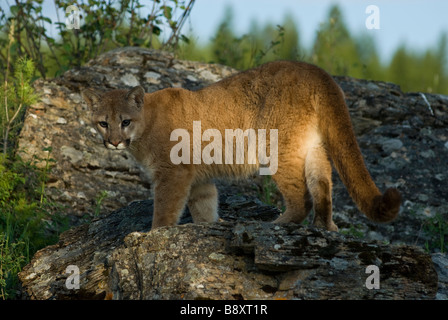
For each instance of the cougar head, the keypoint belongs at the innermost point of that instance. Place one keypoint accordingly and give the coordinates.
(117, 115)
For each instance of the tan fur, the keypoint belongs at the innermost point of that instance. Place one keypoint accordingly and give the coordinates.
(300, 100)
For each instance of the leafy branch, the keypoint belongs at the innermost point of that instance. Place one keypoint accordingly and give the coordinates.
(104, 25)
(16, 96)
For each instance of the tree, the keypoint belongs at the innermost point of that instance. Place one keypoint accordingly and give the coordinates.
(420, 71)
(334, 49)
(226, 47)
(369, 65)
(290, 48)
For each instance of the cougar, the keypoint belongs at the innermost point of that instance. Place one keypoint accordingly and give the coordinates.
(300, 102)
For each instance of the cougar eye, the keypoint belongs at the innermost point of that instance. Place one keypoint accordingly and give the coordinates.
(103, 124)
(125, 123)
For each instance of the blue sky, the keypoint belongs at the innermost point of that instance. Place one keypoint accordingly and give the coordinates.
(416, 23)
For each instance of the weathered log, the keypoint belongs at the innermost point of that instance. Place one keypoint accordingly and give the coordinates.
(118, 258)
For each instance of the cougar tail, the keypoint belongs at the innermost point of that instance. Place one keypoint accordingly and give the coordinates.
(340, 141)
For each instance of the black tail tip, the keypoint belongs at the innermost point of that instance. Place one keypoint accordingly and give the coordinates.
(387, 206)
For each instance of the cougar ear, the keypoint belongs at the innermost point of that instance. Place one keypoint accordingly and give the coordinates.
(136, 96)
(91, 97)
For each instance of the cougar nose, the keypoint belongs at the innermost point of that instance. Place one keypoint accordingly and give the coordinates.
(115, 143)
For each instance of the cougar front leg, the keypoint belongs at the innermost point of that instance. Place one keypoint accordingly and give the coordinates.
(171, 192)
(203, 203)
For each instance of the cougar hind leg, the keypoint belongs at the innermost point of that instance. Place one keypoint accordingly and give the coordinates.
(290, 180)
(318, 181)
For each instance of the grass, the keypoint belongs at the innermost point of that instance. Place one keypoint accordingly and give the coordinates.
(101, 196)
(27, 219)
(354, 231)
(268, 190)
(436, 229)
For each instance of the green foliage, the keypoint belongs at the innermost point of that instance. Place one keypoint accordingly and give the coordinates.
(101, 196)
(226, 47)
(104, 25)
(338, 52)
(11, 261)
(260, 45)
(333, 46)
(354, 231)
(335, 49)
(26, 224)
(436, 228)
(269, 190)
(25, 221)
(426, 71)
(108, 24)
(14, 97)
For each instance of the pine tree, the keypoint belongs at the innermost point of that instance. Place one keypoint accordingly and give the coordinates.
(226, 47)
(334, 49)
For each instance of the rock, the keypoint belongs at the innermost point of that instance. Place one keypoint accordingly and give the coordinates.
(130, 80)
(428, 154)
(61, 121)
(152, 77)
(441, 264)
(391, 145)
(74, 156)
(118, 258)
